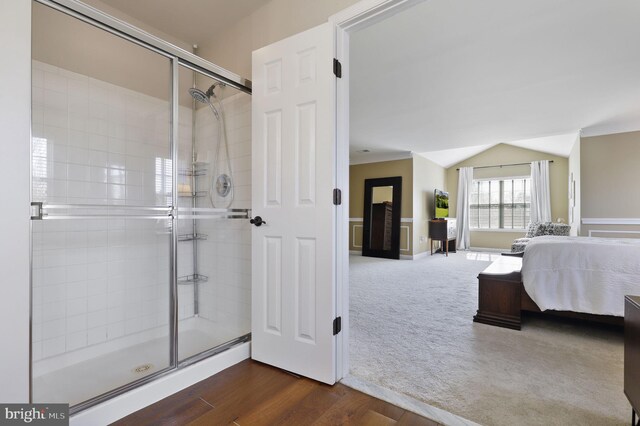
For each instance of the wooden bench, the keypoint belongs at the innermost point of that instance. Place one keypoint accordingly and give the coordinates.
(499, 293)
(502, 298)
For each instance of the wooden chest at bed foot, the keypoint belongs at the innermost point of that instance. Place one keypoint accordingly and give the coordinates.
(499, 293)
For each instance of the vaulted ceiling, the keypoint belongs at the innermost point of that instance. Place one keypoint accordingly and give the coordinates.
(458, 74)
(451, 78)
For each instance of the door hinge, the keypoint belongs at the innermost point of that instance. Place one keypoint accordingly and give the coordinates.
(337, 197)
(337, 68)
(337, 325)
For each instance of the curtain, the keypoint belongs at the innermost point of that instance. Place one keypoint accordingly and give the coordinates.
(465, 185)
(540, 192)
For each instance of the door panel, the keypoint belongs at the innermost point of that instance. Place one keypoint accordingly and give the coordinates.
(293, 279)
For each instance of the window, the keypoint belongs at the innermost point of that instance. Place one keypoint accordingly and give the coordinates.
(500, 203)
(163, 181)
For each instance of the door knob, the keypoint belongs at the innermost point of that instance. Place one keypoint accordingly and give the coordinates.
(257, 221)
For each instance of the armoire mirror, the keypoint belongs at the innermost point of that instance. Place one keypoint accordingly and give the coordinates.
(381, 227)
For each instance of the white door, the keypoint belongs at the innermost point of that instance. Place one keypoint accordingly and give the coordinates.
(293, 177)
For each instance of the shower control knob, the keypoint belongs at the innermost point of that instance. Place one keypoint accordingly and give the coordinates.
(257, 221)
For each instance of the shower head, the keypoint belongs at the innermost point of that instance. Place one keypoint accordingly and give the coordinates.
(199, 95)
(204, 98)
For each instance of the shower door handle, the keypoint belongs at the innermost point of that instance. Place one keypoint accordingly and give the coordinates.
(257, 221)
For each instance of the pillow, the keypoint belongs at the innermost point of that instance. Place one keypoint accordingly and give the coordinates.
(561, 229)
(544, 229)
(532, 229)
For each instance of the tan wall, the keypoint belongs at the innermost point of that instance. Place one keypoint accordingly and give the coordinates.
(507, 154)
(427, 176)
(609, 180)
(73, 45)
(359, 172)
(274, 21)
(104, 7)
(357, 175)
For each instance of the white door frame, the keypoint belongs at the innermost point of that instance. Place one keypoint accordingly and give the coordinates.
(354, 18)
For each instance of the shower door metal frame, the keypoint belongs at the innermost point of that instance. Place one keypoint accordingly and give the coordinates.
(177, 57)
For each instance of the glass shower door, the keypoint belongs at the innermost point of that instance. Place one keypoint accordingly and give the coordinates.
(214, 246)
(102, 193)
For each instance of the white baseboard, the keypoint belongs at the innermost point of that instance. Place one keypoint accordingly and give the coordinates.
(421, 255)
(414, 256)
(136, 399)
(402, 256)
(495, 250)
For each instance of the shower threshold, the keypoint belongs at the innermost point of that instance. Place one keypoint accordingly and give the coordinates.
(80, 381)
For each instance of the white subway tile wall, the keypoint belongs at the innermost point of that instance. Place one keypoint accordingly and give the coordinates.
(95, 143)
(95, 281)
(225, 256)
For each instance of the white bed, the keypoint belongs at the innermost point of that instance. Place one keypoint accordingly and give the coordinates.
(582, 274)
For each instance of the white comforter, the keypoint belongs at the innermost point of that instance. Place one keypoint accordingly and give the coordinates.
(582, 274)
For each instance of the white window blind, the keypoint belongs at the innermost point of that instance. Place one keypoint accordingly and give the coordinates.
(500, 203)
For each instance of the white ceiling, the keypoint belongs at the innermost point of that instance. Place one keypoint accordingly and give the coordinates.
(192, 21)
(560, 145)
(455, 74)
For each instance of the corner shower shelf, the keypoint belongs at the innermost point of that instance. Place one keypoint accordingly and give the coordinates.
(191, 237)
(190, 279)
(197, 169)
(193, 172)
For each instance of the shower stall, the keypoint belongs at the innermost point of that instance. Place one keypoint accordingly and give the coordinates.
(141, 191)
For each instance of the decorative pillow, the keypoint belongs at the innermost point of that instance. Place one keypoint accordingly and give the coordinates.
(543, 229)
(561, 229)
(532, 229)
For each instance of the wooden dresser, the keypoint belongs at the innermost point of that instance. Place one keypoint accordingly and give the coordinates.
(443, 230)
(381, 225)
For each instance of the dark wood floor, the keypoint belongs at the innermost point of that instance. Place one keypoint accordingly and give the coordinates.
(251, 393)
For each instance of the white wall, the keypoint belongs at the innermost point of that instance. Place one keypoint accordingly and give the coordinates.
(574, 213)
(276, 20)
(15, 104)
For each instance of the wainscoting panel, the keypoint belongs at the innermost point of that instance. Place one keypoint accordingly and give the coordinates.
(611, 227)
(406, 235)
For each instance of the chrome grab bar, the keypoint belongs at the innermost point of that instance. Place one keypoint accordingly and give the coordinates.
(45, 211)
(104, 211)
(105, 206)
(211, 213)
(99, 216)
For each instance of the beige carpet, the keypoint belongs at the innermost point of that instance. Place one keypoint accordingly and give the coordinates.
(412, 332)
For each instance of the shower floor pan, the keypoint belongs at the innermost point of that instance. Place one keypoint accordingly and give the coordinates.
(79, 381)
